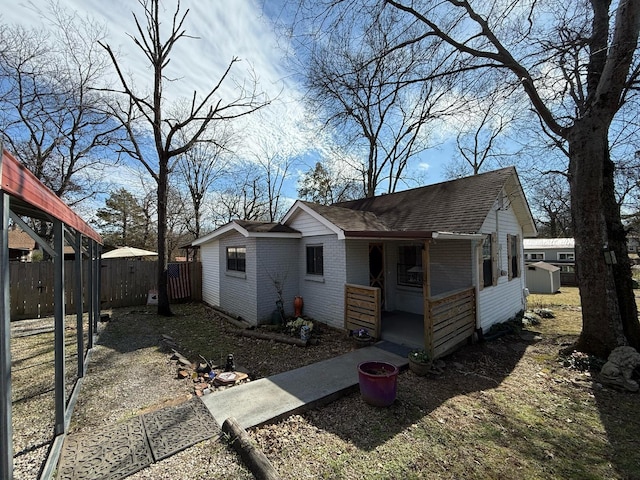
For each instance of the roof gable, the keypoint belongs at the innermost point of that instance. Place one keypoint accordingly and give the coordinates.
(249, 228)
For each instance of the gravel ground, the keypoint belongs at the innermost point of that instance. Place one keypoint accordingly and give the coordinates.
(129, 374)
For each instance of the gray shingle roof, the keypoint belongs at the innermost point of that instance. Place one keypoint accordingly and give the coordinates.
(265, 227)
(459, 206)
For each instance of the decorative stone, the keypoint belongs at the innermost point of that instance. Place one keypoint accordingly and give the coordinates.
(544, 313)
(619, 368)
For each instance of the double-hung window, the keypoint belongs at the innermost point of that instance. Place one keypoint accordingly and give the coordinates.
(236, 259)
(315, 264)
(410, 265)
(488, 257)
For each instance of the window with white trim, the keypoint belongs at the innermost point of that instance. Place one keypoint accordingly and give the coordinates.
(410, 265)
(566, 256)
(236, 259)
(513, 252)
(315, 261)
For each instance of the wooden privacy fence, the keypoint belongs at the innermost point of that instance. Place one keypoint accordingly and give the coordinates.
(362, 308)
(124, 283)
(450, 319)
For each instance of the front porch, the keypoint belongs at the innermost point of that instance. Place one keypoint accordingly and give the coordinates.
(449, 319)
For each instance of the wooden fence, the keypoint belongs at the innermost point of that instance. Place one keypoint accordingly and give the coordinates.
(362, 308)
(450, 320)
(124, 283)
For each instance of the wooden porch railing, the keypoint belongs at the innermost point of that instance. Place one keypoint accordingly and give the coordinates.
(362, 308)
(449, 320)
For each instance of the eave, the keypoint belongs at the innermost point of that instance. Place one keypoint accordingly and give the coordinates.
(30, 197)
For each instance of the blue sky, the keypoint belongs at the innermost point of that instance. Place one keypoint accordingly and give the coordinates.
(225, 29)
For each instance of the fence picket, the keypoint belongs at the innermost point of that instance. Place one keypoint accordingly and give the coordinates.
(124, 283)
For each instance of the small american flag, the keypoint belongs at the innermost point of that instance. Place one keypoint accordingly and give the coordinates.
(179, 285)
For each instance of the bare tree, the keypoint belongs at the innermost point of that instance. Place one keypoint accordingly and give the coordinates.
(370, 99)
(165, 130)
(578, 65)
(241, 196)
(200, 167)
(50, 114)
(551, 201)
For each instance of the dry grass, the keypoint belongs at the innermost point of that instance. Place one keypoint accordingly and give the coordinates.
(502, 409)
(566, 308)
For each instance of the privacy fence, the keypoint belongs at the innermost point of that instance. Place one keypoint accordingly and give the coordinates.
(124, 283)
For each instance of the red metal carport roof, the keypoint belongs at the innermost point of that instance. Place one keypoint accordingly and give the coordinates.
(30, 197)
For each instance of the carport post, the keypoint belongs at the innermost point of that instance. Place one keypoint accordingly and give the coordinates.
(90, 288)
(6, 427)
(58, 302)
(79, 304)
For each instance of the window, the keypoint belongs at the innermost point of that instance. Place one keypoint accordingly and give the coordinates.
(314, 260)
(236, 258)
(566, 256)
(410, 265)
(487, 274)
(488, 261)
(534, 256)
(513, 252)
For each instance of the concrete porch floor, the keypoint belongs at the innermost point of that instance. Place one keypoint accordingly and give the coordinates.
(403, 328)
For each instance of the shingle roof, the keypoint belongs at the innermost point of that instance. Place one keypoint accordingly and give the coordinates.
(21, 240)
(265, 227)
(348, 219)
(459, 206)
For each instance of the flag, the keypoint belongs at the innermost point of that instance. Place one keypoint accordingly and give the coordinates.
(179, 284)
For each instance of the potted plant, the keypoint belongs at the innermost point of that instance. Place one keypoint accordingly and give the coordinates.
(378, 382)
(420, 362)
(361, 337)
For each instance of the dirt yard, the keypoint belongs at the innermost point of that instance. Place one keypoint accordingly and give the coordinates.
(509, 408)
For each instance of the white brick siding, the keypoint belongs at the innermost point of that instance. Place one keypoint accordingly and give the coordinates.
(238, 289)
(323, 295)
(279, 259)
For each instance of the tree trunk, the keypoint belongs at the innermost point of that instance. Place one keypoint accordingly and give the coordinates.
(622, 266)
(605, 294)
(163, 295)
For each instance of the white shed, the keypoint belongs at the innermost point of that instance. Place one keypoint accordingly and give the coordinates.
(543, 277)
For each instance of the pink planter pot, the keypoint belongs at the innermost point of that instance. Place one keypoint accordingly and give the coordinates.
(378, 383)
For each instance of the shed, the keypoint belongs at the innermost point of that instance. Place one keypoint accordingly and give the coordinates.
(543, 277)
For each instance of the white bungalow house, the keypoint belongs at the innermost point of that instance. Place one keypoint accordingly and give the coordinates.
(423, 267)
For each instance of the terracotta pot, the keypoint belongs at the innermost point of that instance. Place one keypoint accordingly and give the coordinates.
(378, 383)
(297, 306)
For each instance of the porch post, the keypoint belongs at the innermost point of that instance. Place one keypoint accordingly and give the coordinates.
(426, 293)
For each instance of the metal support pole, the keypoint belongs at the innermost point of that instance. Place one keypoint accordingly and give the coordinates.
(97, 272)
(79, 299)
(90, 289)
(6, 426)
(59, 313)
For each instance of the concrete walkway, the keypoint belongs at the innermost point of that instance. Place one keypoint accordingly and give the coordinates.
(268, 399)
